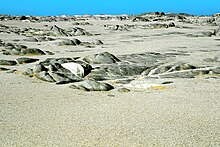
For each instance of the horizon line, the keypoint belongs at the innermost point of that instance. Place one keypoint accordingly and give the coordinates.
(92, 14)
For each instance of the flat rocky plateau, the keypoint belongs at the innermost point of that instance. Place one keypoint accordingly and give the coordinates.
(110, 80)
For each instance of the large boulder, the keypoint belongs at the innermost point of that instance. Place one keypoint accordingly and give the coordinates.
(101, 58)
(87, 67)
(77, 67)
(74, 68)
(59, 70)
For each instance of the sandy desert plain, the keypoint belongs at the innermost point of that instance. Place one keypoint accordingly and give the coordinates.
(110, 80)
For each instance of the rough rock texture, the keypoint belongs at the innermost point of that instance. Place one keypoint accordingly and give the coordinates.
(89, 85)
(63, 78)
(217, 32)
(38, 68)
(8, 62)
(74, 68)
(43, 75)
(59, 70)
(101, 58)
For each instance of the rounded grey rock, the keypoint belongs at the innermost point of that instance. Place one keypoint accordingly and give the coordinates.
(90, 85)
(101, 58)
(32, 51)
(8, 62)
(124, 90)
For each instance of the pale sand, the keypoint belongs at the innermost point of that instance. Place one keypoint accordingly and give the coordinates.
(185, 113)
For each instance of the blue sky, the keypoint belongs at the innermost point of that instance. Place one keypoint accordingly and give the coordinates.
(73, 7)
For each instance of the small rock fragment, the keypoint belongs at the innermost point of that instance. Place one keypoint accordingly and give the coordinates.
(89, 85)
(124, 90)
(26, 60)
